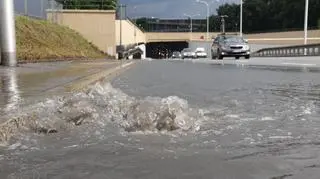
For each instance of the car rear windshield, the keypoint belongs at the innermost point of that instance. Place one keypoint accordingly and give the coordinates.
(200, 50)
(233, 39)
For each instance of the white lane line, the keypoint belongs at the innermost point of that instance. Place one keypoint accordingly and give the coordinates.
(243, 61)
(303, 64)
(289, 39)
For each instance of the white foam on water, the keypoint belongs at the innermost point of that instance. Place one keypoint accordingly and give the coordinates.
(280, 137)
(267, 119)
(232, 116)
(104, 105)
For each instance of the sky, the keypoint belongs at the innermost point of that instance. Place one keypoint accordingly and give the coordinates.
(171, 8)
(33, 7)
(145, 8)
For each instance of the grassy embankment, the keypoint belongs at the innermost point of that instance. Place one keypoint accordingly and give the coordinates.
(40, 40)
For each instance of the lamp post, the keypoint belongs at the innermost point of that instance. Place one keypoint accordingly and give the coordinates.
(135, 31)
(241, 16)
(208, 14)
(306, 22)
(223, 23)
(190, 16)
(122, 15)
(7, 34)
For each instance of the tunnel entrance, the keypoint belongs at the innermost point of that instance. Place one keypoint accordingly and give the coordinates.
(161, 50)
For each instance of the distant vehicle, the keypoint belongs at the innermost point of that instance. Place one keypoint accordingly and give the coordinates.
(230, 46)
(201, 52)
(176, 55)
(188, 53)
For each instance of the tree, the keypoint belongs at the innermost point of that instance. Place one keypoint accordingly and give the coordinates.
(89, 4)
(142, 22)
(268, 15)
(233, 13)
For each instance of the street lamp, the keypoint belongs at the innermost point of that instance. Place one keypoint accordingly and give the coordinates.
(190, 16)
(223, 23)
(241, 16)
(135, 23)
(306, 22)
(208, 14)
(7, 34)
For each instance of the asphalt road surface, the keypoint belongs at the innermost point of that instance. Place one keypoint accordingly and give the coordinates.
(178, 119)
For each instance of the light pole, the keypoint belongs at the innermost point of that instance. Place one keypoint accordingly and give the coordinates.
(223, 23)
(208, 14)
(122, 15)
(306, 22)
(135, 31)
(7, 34)
(190, 16)
(241, 16)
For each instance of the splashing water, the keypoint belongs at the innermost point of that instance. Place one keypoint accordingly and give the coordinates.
(103, 104)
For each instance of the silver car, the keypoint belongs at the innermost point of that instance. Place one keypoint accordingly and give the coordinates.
(201, 52)
(230, 46)
(176, 55)
(188, 53)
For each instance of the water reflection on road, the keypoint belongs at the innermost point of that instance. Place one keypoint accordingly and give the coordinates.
(10, 94)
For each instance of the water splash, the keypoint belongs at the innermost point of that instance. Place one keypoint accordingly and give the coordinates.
(102, 104)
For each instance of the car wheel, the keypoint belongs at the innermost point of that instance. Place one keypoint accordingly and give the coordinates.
(220, 57)
(237, 57)
(247, 57)
(213, 56)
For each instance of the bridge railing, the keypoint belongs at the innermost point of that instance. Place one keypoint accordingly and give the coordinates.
(289, 51)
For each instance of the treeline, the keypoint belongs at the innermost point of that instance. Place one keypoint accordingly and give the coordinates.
(89, 4)
(268, 15)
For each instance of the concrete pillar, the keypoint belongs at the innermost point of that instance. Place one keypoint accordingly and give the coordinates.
(7, 33)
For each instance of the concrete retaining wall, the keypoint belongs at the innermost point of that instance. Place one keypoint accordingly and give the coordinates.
(131, 34)
(97, 26)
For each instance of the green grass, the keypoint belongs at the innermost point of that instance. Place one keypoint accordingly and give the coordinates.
(42, 40)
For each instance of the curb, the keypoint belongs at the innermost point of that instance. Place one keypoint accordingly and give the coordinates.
(84, 83)
(10, 127)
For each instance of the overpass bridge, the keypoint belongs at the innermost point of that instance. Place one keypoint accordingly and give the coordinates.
(113, 36)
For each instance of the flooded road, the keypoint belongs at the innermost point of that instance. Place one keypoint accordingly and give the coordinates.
(164, 119)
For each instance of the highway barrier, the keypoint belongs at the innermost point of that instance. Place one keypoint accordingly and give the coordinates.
(289, 51)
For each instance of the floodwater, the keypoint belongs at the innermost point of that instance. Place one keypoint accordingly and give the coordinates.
(172, 119)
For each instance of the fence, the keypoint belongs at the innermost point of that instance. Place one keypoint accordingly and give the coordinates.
(37, 8)
(289, 51)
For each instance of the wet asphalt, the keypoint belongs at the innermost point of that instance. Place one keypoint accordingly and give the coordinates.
(259, 123)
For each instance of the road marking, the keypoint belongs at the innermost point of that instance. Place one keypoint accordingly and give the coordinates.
(243, 61)
(267, 39)
(303, 64)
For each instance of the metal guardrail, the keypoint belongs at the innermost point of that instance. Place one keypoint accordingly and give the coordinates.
(289, 51)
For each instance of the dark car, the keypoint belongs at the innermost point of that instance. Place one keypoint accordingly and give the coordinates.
(230, 46)
(176, 55)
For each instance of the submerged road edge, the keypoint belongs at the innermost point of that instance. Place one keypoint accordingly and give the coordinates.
(106, 75)
(10, 127)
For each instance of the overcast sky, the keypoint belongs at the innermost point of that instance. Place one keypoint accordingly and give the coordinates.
(171, 8)
(146, 8)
